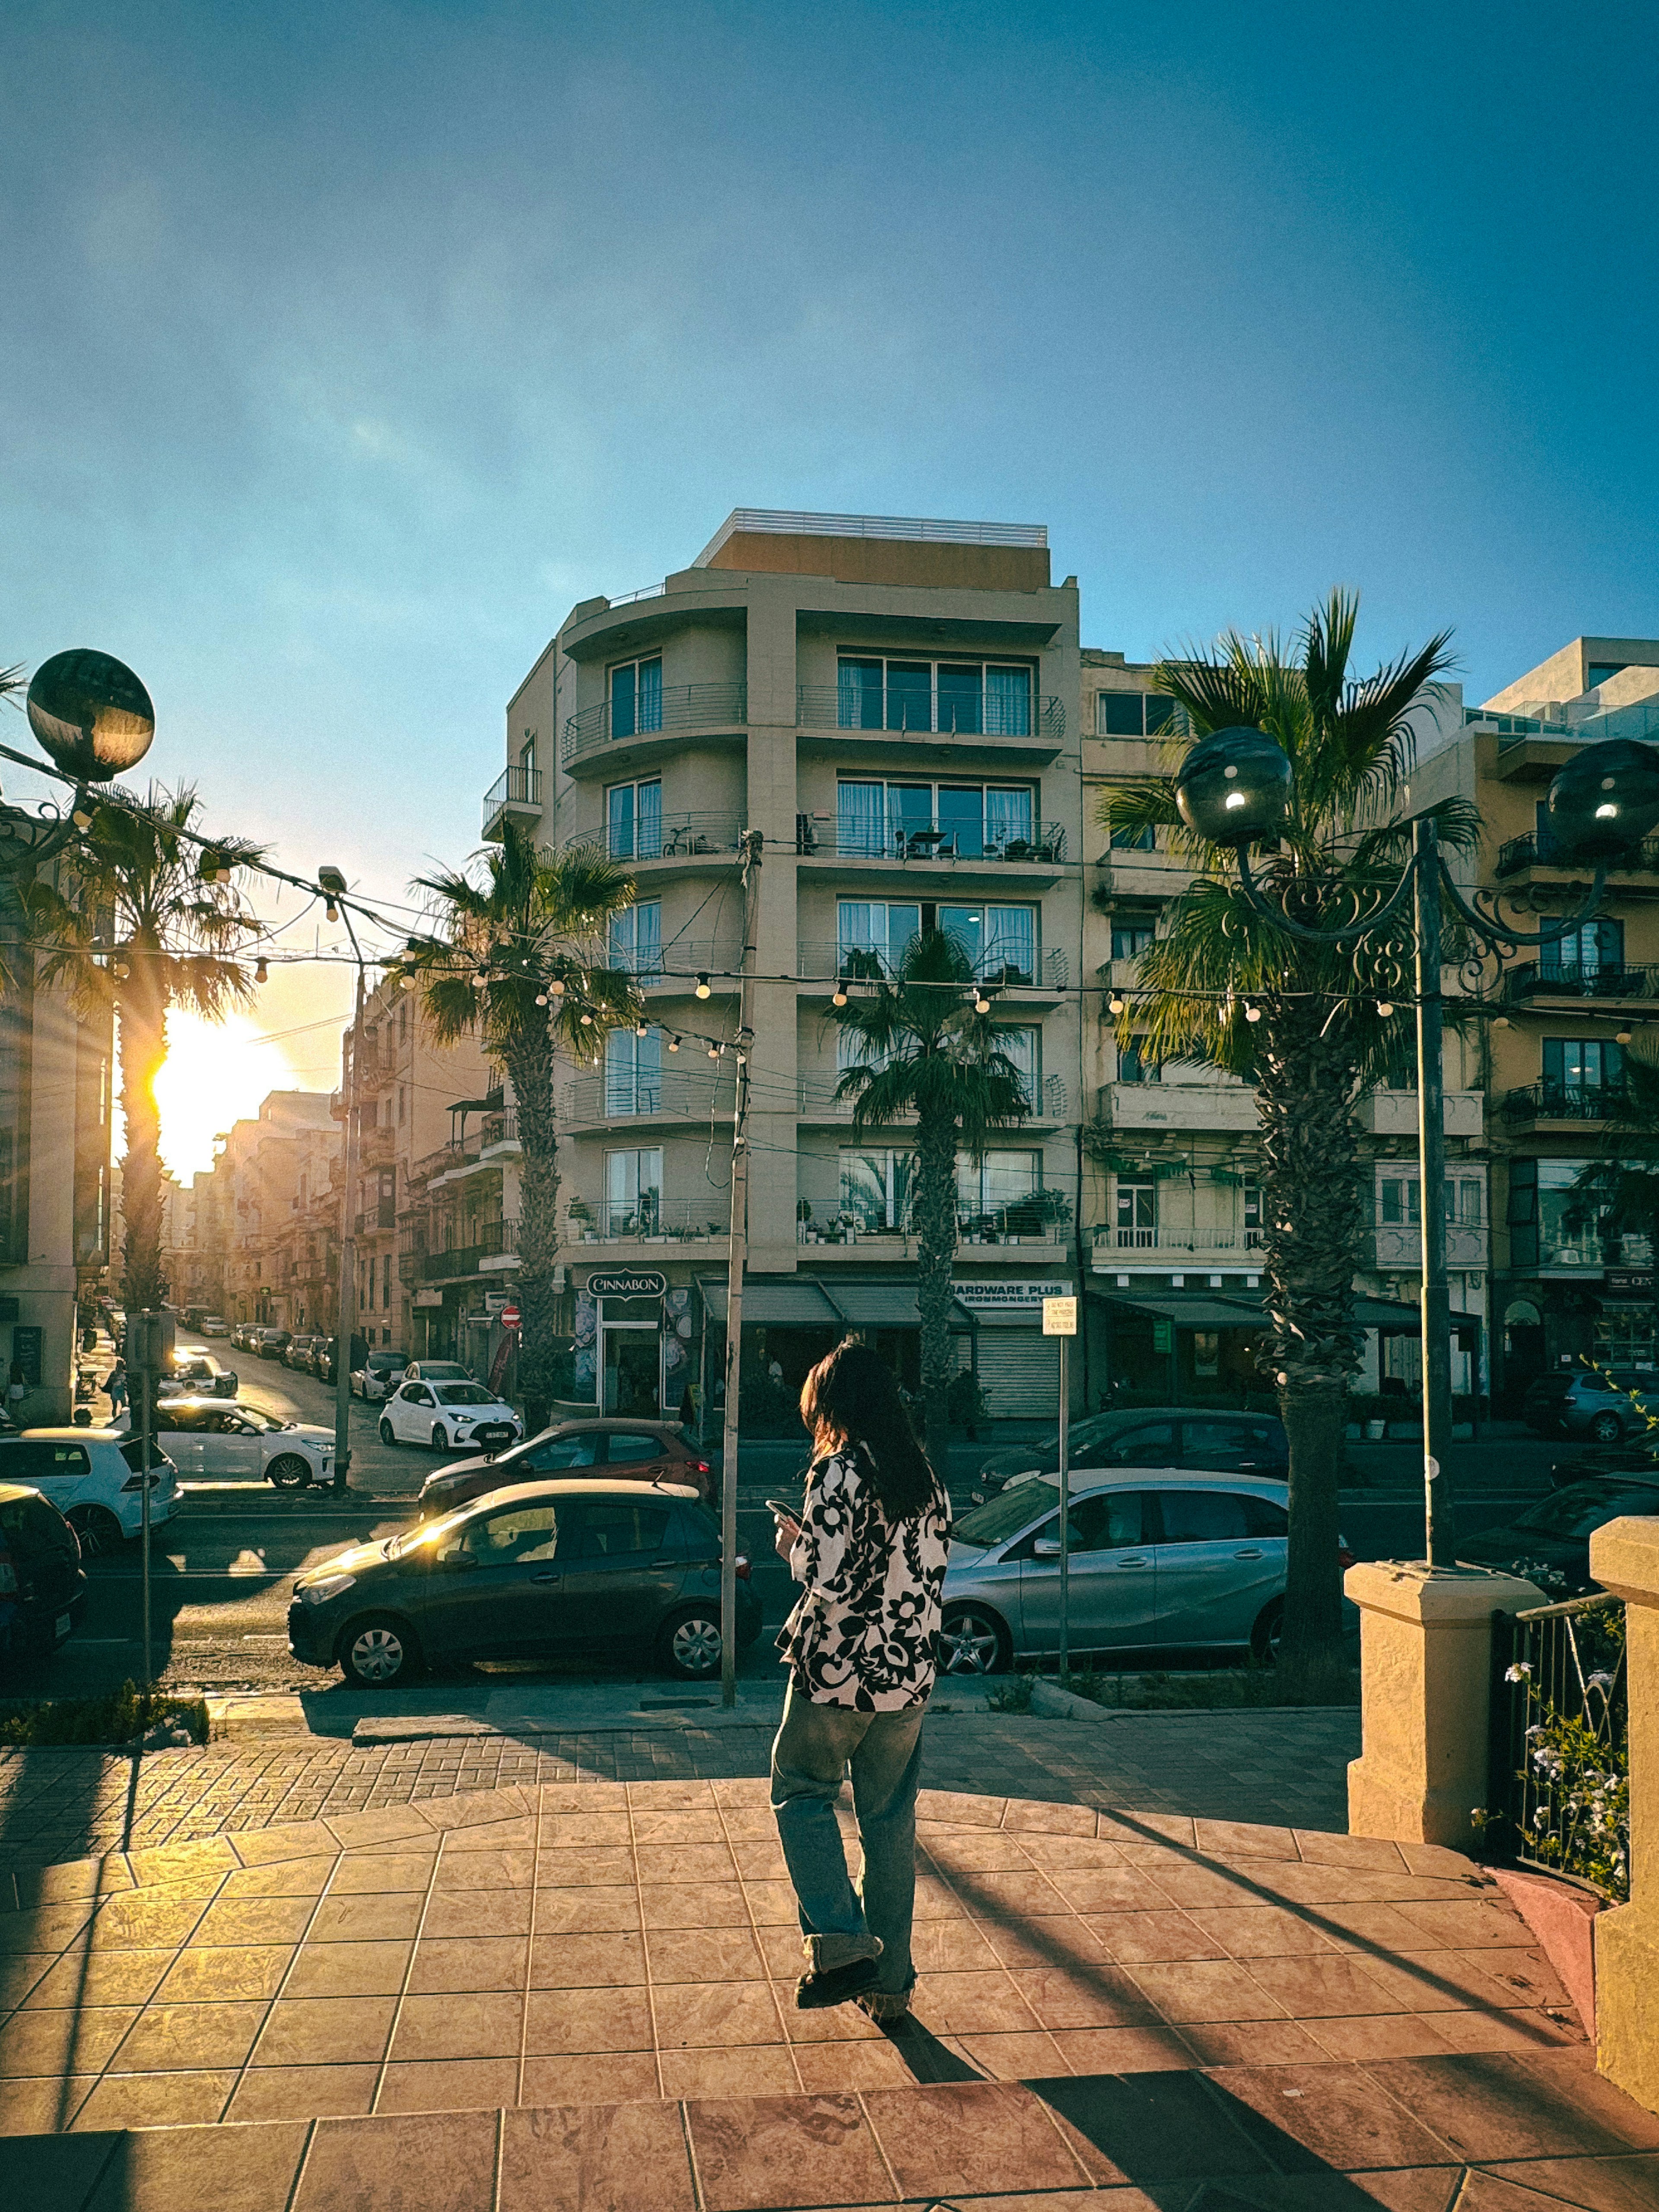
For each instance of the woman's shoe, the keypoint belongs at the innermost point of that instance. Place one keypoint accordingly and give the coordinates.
(835, 1985)
(886, 2006)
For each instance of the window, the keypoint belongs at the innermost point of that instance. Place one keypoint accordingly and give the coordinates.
(1135, 840)
(968, 696)
(1585, 955)
(402, 1105)
(1203, 1516)
(1575, 1065)
(633, 821)
(616, 1528)
(633, 1192)
(1152, 1444)
(988, 1190)
(1109, 1521)
(876, 1189)
(1228, 1447)
(511, 1539)
(636, 698)
(1252, 1198)
(31, 1461)
(878, 928)
(527, 756)
(1137, 1213)
(1001, 941)
(934, 821)
(1599, 672)
(634, 1444)
(561, 1452)
(636, 939)
(1130, 939)
(1025, 1049)
(633, 1072)
(1132, 714)
(1135, 1063)
(1400, 1205)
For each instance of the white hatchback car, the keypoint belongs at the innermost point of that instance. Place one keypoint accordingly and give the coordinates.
(448, 1415)
(218, 1439)
(93, 1477)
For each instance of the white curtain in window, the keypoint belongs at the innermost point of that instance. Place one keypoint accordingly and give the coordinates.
(1010, 941)
(861, 819)
(1007, 818)
(647, 841)
(633, 1071)
(619, 822)
(1008, 702)
(1021, 1047)
(650, 696)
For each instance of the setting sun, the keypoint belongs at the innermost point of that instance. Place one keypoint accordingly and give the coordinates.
(214, 1073)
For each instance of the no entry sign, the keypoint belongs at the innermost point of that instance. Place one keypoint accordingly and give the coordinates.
(509, 1316)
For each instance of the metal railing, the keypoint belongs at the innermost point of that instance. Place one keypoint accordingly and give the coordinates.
(609, 1098)
(935, 839)
(518, 787)
(649, 1219)
(1518, 853)
(675, 836)
(677, 707)
(817, 1096)
(1110, 1238)
(484, 1240)
(499, 1129)
(633, 598)
(1026, 1221)
(1563, 1102)
(1580, 979)
(1557, 1793)
(824, 962)
(895, 710)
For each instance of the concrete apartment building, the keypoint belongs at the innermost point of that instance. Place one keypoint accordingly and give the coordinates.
(894, 705)
(266, 1176)
(1561, 1287)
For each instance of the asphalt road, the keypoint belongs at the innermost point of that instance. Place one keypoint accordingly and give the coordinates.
(223, 1569)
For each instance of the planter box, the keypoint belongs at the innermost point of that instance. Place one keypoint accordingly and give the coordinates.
(1561, 1913)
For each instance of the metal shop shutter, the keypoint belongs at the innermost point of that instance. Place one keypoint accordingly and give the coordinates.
(1019, 1374)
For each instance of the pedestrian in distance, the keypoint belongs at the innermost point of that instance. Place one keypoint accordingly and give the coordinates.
(869, 1547)
(115, 1387)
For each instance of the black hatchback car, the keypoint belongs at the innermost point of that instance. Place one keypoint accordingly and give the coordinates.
(1549, 1543)
(1149, 1436)
(537, 1571)
(41, 1580)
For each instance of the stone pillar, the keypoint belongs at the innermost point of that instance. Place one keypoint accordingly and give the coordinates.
(1425, 1671)
(1625, 1560)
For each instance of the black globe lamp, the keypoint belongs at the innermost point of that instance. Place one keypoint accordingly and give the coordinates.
(1604, 802)
(1234, 787)
(91, 714)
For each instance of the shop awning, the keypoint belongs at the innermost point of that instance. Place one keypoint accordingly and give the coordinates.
(777, 1301)
(1195, 1313)
(886, 1305)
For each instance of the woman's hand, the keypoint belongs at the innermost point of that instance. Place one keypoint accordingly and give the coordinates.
(786, 1532)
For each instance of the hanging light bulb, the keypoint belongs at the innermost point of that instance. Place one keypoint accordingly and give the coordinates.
(1501, 1022)
(1253, 1014)
(587, 1020)
(331, 912)
(673, 1044)
(81, 815)
(838, 996)
(714, 1052)
(555, 985)
(406, 979)
(541, 998)
(261, 972)
(981, 1004)
(1621, 1036)
(703, 986)
(1115, 1003)
(1385, 1008)
(642, 1029)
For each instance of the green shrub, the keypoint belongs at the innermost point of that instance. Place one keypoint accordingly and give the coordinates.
(122, 1717)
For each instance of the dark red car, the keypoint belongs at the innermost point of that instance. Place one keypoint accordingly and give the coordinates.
(613, 1445)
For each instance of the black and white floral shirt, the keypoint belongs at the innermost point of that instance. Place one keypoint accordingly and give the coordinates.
(863, 1631)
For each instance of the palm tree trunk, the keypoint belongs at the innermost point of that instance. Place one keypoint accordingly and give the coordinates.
(1313, 1240)
(142, 1011)
(530, 1063)
(936, 1245)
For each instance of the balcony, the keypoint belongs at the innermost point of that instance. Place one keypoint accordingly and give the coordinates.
(1396, 1247)
(490, 1246)
(1560, 1102)
(898, 711)
(515, 796)
(954, 847)
(675, 1095)
(652, 726)
(1394, 1112)
(817, 1102)
(1578, 980)
(1183, 1251)
(377, 1148)
(711, 837)
(498, 1136)
(649, 1220)
(1520, 861)
(824, 962)
(1167, 1105)
(1034, 1221)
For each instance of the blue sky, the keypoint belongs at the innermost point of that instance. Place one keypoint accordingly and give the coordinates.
(346, 346)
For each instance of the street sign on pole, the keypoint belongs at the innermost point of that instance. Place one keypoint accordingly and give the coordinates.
(1059, 1319)
(509, 1316)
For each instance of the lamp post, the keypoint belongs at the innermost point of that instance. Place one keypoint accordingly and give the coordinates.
(1236, 788)
(333, 884)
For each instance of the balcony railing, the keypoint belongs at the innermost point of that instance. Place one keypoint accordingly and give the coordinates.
(485, 1240)
(608, 1098)
(498, 1129)
(1040, 844)
(1000, 964)
(1026, 1221)
(817, 1096)
(1179, 1242)
(678, 707)
(670, 837)
(896, 710)
(1581, 978)
(1561, 1101)
(1518, 853)
(518, 791)
(647, 1220)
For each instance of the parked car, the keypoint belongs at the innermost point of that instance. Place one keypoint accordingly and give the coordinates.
(296, 1353)
(273, 1343)
(1150, 1435)
(378, 1375)
(1639, 1458)
(535, 1571)
(437, 1370)
(216, 1438)
(1591, 1403)
(628, 1451)
(93, 1477)
(41, 1580)
(196, 1374)
(1157, 1559)
(1549, 1543)
(245, 1337)
(215, 1325)
(447, 1415)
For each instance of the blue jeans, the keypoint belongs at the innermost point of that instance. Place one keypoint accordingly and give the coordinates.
(814, 1747)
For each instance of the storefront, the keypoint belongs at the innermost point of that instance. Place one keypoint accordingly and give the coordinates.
(1017, 1366)
(634, 1347)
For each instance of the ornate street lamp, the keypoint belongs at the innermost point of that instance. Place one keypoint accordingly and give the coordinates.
(90, 713)
(1236, 789)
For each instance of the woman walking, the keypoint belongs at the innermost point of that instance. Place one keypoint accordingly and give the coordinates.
(870, 1549)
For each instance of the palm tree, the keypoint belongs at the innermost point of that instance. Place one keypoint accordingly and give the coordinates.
(1301, 1023)
(521, 959)
(919, 1049)
(141, 923)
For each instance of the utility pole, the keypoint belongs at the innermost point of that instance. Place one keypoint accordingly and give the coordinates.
(737, 1260)
(333, 884)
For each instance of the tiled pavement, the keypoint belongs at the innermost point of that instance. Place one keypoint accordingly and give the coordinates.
(575, 1998)
(1288, 1766)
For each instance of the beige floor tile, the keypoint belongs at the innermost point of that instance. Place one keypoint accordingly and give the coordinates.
(578, 2159)
(598, 1910)
(559, 2020)
(669, 1796)
(705, 1954)
(1382, 2035)
(294, 1840)
(97, 1978)
(980, 2137)
(365, 1919)
(1122, 2050)
(941, 1947)
(1244, 1839)
(1519, 2031)
(303, 2093)
(1084, 1996)
(365, 2164)
(253, 1920)
(694, 2015)
(22, 1972)
(614, 1961)
(488, 1870)
(584, 1866)
(1261, 1931)
(280, 1878)
(75, 2040)
(972, 2003)
(472, 2025)
(840, 2067)
(1158, 1938)
(348, 1970)
(377, 1873)
(455, 1962)
(1253, 2043)
(590, 2078)
(185, 2170)
(764, 2153)
(1033, 2056)
(1207, 1989)
(978, 1850)
(759, 2070)
(141, 1922)
(45, 2105)
(172, 2037)
(691, 1862)
(1317, 1988)
(772, 1904)
(244, 1970)
(656, 1830)
(1017, 1896)
(157, 2100)
(448, 2084)
(1096, 1890)
(518, 1834)
(45, 1927)
(585, 1831)
(1058, 1939)
(326, 2032)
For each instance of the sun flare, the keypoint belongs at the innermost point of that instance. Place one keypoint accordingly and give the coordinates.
(214, 1073)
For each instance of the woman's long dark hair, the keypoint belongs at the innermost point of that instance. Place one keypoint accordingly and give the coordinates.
(850, 1397)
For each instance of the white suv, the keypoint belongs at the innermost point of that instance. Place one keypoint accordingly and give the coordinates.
(92, 1476)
